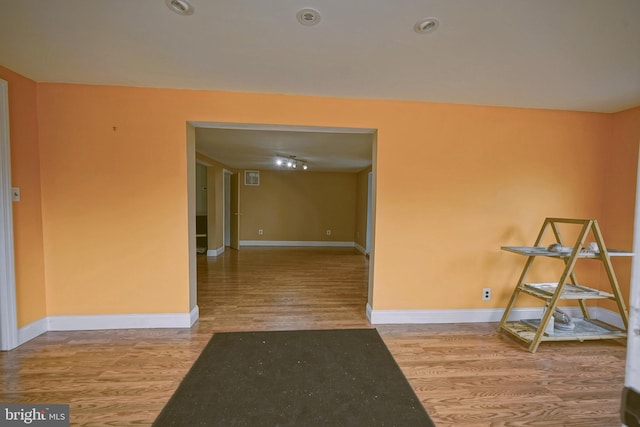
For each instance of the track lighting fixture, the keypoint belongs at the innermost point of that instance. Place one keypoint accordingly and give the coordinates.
(291, 162)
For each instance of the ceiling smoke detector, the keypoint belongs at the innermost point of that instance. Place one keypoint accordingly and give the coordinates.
(308, 17)
(426, 25)
(181, 7)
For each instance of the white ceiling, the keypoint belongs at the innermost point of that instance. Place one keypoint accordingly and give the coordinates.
(581, 55)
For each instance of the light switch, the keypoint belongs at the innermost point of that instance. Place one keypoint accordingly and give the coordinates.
(15, 194)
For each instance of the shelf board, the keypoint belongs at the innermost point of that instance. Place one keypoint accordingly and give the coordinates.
(531, 331)
(570, 291)
(586, 329)
(543, 251)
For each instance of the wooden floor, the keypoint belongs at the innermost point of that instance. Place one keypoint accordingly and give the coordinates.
(465, 374)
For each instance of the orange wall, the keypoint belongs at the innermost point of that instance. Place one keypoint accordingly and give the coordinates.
(114, 197)
(454, 183)
(27, 214)
(476, 178)
(620, 189)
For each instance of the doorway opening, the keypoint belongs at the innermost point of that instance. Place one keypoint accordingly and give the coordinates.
(330, 150)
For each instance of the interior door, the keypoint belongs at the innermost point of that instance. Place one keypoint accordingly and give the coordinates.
(234, 201)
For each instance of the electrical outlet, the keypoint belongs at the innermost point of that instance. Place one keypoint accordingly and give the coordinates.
(486, 294)
(260, 232)
(328, 232)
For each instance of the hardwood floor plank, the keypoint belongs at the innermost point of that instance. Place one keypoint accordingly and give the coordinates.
(465, 374)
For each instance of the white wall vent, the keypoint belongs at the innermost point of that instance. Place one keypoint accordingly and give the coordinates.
(251, 177)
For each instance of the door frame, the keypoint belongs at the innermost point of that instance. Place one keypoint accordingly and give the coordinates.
(8, 310)
(367, 241)
(632, 368)
(330, 129)
(226, 208)
(234, 219)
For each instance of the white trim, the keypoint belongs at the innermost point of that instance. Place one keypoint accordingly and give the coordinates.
(8, 314)
(295, 243)
(194, 315)
(360, 249)
(369, 212)
(121, 321)
(190, 150)
(271, 127)
(226, 207)
(381, 317)
(215, 252)
(376, 317)
(632, 373)
(476, 315)
(32, 330)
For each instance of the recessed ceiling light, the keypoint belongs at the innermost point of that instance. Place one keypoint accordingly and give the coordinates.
(181, 7)
(308, 17)
(426, 25)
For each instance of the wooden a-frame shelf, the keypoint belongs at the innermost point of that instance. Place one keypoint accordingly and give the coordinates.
(532, 331)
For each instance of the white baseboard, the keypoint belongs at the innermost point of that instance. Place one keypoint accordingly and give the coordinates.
(194, 315)
(376, 317)
(296, 243)
(382, 317)
(119, 321)
(215, 252)
(109, 321)
(32, 330)
(368, 311)
(360, 249)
